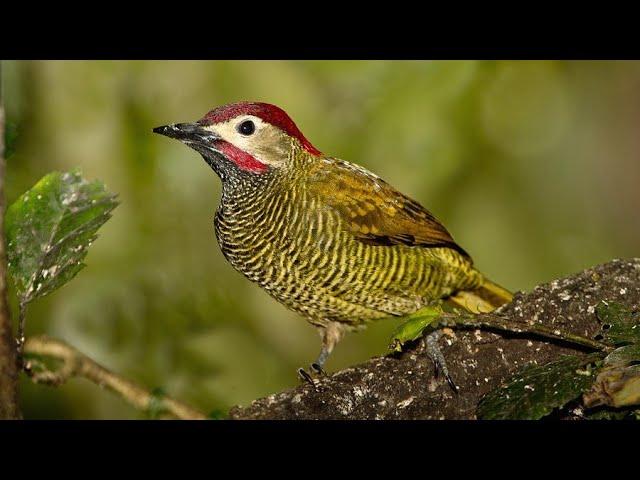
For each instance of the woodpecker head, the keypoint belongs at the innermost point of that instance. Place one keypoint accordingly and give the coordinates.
(242, 138)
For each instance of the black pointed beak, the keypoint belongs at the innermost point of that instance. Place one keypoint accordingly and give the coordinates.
(187, 132)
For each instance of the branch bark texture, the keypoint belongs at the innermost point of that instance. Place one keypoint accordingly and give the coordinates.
(9, 408)
(403, 386)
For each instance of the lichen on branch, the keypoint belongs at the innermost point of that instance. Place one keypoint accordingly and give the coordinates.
(402, 385)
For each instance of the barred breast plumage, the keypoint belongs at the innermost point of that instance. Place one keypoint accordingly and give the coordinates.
(290, 241)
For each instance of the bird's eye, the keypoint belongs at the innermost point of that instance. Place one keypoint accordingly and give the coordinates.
(247, 127)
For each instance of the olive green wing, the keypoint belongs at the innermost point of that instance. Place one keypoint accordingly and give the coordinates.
(375, 212)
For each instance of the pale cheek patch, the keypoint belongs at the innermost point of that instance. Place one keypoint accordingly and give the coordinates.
(267, 145)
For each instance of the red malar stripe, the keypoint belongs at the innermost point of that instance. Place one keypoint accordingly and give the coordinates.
(241, 158)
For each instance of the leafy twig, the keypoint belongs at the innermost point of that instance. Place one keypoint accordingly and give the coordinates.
(417, 323)
(49, 230)
(77, 364)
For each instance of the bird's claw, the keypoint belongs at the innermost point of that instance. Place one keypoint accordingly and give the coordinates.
(437, 357)
(451, 383)
(311, 377)
(318, 369)
(304, 376)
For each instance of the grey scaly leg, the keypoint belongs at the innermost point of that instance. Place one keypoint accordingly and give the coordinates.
(320, 361)
(331, 335)
(316, 367)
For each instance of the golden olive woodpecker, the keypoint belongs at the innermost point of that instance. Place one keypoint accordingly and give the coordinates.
(325, 237)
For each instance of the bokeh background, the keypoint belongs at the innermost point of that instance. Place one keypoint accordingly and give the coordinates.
(533, 166)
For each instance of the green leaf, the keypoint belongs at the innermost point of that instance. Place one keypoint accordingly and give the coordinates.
(49, 229)
(414, 326)
(623, 356)
(536, 391)
(610, 414)
(620, 324)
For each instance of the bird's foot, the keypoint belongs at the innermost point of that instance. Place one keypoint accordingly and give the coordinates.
(304, 376)
(317, 368)
(437, 357)
(310, 377)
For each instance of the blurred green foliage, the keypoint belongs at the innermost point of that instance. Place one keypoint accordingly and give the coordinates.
(533, 166)
(10, 135)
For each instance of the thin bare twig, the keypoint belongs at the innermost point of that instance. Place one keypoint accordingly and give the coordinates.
(497, 322)
(22, 314)
(77, 364)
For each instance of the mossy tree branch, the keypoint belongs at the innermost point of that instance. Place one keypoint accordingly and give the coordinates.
(555, 319)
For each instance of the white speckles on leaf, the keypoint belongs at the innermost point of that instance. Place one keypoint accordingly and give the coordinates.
(49, 239)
